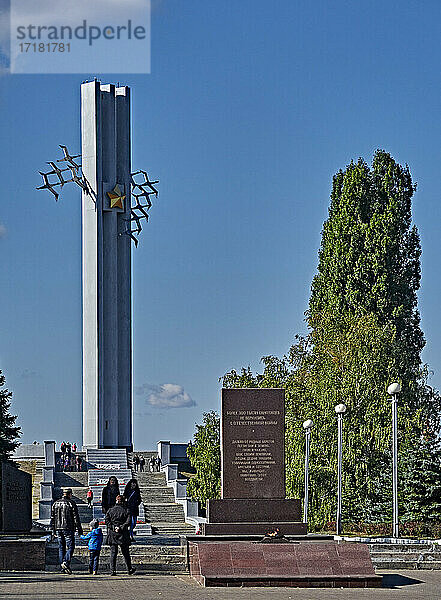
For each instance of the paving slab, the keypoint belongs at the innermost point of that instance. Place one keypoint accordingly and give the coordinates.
(415, 585)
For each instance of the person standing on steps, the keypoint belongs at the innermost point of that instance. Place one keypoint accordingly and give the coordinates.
(141, 463)
(118, 523)
(136, 462)
(64, 520)
(152, 463)
(90, 498)
(110, 492)
(132, 497)
(158, 463)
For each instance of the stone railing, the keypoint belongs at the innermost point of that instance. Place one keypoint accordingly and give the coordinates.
(191, 509)
(47, 485)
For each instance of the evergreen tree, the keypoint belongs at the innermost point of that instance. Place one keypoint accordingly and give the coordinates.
(9, 433)
(204, 455)
(421, 476)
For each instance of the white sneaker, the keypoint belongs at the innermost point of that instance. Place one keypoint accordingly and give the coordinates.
(65, 568)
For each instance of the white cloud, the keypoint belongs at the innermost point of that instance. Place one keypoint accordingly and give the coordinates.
(167, 395)
(29, 374)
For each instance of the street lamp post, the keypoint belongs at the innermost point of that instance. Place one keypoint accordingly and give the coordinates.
(340, 409)
(394, 389)
(307, 425)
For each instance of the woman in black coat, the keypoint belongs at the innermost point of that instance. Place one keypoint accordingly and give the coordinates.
(132, 497)
(110, 492)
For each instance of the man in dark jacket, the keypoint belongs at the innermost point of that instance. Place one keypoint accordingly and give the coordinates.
(118, 523)
(65, 519)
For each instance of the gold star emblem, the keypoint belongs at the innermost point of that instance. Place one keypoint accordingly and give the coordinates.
(116, 197)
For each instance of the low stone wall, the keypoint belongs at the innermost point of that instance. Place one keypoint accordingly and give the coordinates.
(22, 555)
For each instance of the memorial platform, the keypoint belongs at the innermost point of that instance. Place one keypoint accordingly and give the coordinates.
(296, 562)
(253, 503)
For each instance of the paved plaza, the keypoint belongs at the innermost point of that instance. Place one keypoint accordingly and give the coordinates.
(418, 585)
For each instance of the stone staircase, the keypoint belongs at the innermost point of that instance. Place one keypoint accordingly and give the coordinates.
(159, 553)
(161, 511)
(408, 555)
(105, 463)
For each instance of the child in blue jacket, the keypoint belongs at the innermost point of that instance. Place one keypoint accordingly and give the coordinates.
(95, 537)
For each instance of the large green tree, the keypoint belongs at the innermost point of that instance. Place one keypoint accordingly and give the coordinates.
(369, 260)
(364, 332)
(204, 455)
(8, 431)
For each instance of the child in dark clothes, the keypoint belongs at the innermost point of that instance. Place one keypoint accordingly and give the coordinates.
(95, 541)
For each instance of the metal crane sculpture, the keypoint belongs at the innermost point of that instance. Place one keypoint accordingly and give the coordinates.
(141, 189)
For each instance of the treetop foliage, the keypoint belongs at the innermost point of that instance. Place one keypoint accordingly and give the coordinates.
(9, 433)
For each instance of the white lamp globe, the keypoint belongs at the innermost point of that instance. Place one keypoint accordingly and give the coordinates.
(308, 424)
(340, 409)
(394, 388)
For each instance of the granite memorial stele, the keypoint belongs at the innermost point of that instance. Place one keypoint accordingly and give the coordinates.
(253, 467)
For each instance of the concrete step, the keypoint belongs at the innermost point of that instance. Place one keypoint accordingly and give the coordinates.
(404, 547)
(408, 554)
(79, 494)
(156, 512)
(86, 513)
(157, 498)
(161, 528)
(416, 556)
(171, 507)
(100, 477)
(100, 458)
(70, 479)
(158, 490)
(148, 479)
(403, 565)
(164, 517)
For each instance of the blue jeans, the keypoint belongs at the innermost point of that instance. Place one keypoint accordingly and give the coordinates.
(66, 545)
(133, 519)
(94, 556)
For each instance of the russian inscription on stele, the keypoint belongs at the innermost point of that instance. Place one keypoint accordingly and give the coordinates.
(253, 443)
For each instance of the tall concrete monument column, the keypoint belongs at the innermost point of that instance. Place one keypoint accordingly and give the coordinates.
(107, 328)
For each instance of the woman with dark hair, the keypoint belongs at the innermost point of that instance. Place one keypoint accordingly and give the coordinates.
(132, 497)
(110, 492)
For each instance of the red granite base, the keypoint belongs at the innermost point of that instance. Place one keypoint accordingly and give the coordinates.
(298, 564)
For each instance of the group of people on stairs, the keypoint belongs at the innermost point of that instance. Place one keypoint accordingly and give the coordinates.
(121, 512)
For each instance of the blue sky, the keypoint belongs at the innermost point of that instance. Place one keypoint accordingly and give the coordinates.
(249, 110)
